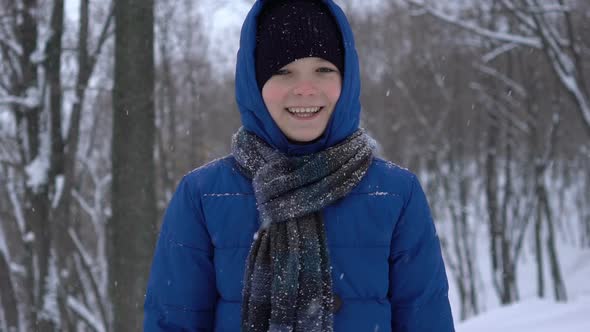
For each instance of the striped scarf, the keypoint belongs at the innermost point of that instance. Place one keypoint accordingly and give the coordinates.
(288, 283)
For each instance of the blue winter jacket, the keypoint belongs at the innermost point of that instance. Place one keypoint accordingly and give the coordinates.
(387, 267)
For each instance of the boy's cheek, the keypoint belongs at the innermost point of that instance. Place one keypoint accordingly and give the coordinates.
(272, 94)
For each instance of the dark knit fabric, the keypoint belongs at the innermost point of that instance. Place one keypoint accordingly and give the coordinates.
(287, 283)
(295, 29)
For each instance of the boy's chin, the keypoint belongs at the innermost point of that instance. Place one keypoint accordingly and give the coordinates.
(304, 138)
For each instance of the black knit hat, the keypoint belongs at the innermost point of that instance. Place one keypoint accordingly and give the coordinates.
(293, 29)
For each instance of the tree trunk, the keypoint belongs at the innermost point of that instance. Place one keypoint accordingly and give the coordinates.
(53, 72)
(36, 195)
(167, 142)
(8, 303)
(466, 239)
(585, 206)
(558, 283)
(133, 225)
(509, 286)
(539, 246)
(492, 203)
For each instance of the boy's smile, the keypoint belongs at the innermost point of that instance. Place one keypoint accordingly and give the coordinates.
(301, 97)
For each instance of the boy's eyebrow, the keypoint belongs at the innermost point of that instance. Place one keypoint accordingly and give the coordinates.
(316, 60)
(324, 61)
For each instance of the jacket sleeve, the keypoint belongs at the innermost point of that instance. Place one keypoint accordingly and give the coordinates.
(417, 279)
(181, 293)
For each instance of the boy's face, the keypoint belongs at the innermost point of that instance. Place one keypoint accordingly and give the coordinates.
(301, 97)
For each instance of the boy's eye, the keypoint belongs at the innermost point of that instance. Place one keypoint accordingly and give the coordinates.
(282, 72)
(326, 70)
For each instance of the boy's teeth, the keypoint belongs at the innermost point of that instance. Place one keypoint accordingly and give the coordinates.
(304, 109)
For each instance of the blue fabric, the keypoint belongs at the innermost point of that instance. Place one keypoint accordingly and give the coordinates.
(385, 255)
(256, 118)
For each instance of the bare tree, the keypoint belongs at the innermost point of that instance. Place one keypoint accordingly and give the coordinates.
(38, 160)
(538, 28)
(132, 227)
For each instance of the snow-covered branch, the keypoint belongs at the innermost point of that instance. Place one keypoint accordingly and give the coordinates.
(87, 265)
(50, 309)
(544, 37)
(101, 183)
(38, 169)
(545, 9)
(83, 312)
(59, 185)
(81, 250)
(512, 84)
(104, 33)
(512, 38)
(11, 45)
(16, 204)
(30, 101)
(94, 208)
(523, 18)
(504, 48)
(83, 203)
(3, 242)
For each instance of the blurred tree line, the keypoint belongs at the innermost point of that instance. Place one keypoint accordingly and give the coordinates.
(488, 102)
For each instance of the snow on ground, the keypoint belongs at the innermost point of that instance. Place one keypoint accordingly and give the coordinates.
(533, 315)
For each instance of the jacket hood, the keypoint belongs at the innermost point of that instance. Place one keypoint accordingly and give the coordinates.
(254, 114)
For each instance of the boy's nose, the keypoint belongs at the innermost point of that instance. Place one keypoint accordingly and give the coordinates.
(305, 89)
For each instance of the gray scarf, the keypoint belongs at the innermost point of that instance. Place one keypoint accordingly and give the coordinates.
(287, 283)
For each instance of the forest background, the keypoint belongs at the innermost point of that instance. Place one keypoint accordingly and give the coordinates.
(105, 105)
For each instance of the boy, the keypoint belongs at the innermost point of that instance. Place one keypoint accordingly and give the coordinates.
(301, 228)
